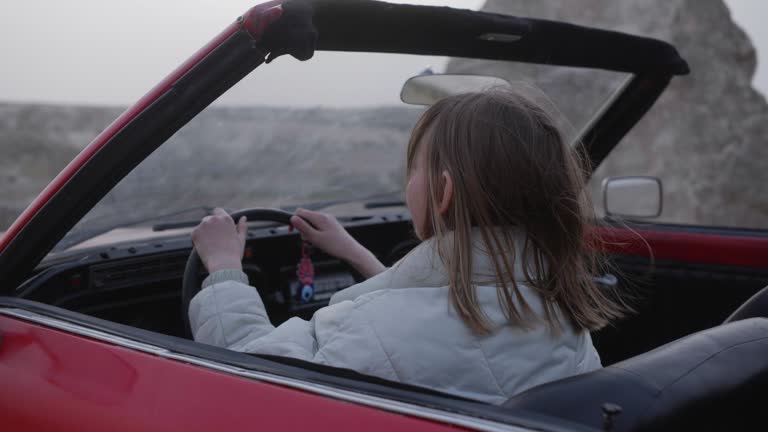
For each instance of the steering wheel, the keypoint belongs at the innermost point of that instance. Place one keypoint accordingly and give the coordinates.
(190, 285)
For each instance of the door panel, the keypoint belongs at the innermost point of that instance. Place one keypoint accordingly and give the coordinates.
(680, 280)
(57, 381)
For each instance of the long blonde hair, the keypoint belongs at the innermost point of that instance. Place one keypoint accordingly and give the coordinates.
(514, 177)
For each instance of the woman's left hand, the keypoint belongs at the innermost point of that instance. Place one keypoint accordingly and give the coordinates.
(219, 242)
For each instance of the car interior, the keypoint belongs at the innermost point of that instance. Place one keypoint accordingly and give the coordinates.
(659, 359)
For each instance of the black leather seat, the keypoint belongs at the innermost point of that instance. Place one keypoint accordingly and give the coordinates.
(716, 379)
(755, 307)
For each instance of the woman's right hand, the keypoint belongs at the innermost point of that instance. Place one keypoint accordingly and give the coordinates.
(326, 233)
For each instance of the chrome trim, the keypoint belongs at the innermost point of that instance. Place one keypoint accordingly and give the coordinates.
(345, 395)
(500, 37)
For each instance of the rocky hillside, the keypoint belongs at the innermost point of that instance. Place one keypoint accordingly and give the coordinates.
(36, 142)
(705, 138)
(224, 157)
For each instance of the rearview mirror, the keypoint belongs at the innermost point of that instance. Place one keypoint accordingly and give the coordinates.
(428, 89)
(632, 197)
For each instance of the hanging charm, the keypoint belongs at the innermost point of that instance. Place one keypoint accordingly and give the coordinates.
(305, 271)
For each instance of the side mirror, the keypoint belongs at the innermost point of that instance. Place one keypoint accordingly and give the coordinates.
(428, 89)
(632, 197)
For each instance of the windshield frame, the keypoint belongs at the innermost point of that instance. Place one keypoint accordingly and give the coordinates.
(243, 46)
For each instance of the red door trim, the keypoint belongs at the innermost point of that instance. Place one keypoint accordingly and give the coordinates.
(694, 247)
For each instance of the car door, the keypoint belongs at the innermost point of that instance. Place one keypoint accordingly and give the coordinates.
(60, 375)
(685, 270)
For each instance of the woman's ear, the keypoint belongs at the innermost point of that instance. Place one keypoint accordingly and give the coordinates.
(445, 200)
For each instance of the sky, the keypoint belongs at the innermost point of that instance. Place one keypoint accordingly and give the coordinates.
(108, 52)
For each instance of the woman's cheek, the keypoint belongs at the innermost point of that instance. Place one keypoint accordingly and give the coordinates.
(408, 195)
(409, 199)
(415, 200)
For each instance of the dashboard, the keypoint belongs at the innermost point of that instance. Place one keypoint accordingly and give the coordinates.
(139, 284)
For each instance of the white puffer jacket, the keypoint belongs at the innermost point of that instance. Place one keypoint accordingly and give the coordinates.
(400, 325)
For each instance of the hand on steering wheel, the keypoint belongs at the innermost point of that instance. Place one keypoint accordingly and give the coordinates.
(191, 283)
(219, 242)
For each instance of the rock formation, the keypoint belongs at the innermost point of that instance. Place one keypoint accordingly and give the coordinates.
(705, 138)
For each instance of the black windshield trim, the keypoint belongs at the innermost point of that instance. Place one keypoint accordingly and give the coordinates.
(442, 31)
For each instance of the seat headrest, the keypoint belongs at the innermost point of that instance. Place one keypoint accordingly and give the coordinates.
(755, 307)
(716, 379)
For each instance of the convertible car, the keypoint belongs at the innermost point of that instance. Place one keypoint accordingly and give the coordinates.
(93, 332)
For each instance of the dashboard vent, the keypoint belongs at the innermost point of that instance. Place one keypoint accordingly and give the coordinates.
(138, 271)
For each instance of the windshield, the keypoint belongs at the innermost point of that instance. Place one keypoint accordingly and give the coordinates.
(295, 133)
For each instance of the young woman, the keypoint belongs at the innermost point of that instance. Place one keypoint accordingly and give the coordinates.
(498, 297)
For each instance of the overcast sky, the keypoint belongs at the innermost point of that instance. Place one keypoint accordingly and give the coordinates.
(112, 52)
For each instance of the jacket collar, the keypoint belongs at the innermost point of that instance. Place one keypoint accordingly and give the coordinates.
(422, 267)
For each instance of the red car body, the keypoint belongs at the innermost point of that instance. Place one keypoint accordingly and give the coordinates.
(58, 381)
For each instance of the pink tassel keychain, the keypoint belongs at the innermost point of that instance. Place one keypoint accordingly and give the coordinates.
(305, 271)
